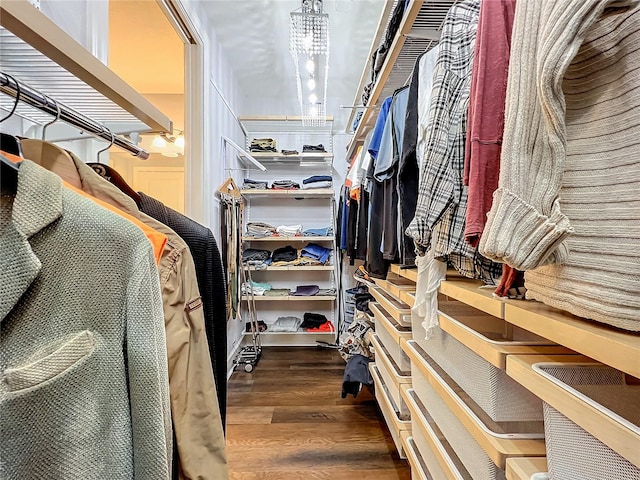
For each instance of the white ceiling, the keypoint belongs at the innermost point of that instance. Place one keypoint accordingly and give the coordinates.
(254, 35)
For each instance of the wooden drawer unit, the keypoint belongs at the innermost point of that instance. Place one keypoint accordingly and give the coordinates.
(524, 468)
(481, 444)
(393, 377)
(392, 417)
(399, 311)
(591, 415)
(390, 333)
(395, 285)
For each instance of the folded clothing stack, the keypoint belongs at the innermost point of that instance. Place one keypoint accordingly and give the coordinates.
(258, 289)
(313, 148)
(318, 232)
(317, 181)
(263, 145)
(262, 326)
(277, 292)
(313, 320)
(285, 185)
(289, 152)
(254, 184)
(286, 324)
(306, 290)
(255, 255)
(316, 252)
(284, 256)
(289, 230)
(259, 229)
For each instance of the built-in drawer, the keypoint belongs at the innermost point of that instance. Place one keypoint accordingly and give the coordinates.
(431, 444)
(419, 469)
(472, 346)
(395, 285)
(390, 333)
(392, 417)
(393, 377)
(409, 298)
(591, 415)
(399, 311)
(481, 444)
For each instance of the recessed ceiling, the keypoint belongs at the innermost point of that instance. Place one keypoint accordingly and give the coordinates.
(254, 35)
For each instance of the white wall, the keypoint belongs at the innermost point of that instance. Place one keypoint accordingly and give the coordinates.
(221, 100)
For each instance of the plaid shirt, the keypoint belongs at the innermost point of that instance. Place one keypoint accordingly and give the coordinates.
(439, 221)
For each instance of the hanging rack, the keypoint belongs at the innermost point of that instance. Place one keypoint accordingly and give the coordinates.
(10, 86)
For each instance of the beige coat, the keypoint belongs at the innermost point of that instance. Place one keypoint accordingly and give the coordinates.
(82, 343)
(194, 403)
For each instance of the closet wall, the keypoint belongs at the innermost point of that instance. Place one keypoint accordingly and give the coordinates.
(220, 106)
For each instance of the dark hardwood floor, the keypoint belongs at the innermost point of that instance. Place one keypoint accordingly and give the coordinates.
(287, 420)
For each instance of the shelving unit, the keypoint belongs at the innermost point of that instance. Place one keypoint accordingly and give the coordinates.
(312, 208)
(419, 31)
(541, 336)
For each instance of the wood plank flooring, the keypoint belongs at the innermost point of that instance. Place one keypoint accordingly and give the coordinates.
(287, 421)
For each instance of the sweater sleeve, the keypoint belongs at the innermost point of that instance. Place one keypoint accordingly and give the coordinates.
(526, 227)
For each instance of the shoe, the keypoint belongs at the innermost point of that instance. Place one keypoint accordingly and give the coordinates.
(362, 276)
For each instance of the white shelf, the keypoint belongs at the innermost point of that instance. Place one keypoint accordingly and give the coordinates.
(289, 298)
(41, 54)
(322, 158)
(320, 268)
(288, 239)
(311, 193)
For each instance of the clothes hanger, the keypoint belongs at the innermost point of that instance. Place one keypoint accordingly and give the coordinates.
(52, 157)
(113, 139)
(112, 176)
(229, 188)
(9, 168)
(9, 143)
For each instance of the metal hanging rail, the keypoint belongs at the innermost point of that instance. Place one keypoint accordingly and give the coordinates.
(26, 94)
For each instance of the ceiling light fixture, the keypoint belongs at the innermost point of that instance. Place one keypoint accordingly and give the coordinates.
(309, 47)
(169, 146)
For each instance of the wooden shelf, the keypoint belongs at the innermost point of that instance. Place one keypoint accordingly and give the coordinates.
(25, 21)
(616, 435)
(319, 157)
(408, 273)
(467, 291)
(408, 297)
(497, 447)
(400, 312)
(524, 467)
(289, 298)
(293, 268)
(276, 238)
(613, 347)
(494, 351)
(309, 193)
(267, 332)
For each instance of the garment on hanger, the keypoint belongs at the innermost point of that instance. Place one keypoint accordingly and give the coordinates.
(572, 221)
(111, 175)
(83, 342)
(195, 410)
(442, 199)
(211, 280)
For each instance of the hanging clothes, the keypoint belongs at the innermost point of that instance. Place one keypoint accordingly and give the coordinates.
(194, 402)
(442, 199)
(82, 339)
(211, 284)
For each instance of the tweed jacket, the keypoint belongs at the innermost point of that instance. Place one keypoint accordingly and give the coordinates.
(211, 282)
(82, 383)
(194, 402)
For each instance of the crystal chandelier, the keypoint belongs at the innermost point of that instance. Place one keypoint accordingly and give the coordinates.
(309, 47)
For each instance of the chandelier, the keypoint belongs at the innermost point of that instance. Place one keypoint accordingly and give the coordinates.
(309, 47)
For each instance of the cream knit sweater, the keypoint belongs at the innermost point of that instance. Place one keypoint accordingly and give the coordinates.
(568, 206)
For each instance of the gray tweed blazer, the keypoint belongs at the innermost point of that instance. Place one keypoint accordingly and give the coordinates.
(81, 340)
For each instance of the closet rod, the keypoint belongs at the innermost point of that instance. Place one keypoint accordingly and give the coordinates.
(33, 97)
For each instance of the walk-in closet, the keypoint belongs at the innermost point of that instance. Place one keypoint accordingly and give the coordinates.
(327, 239)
